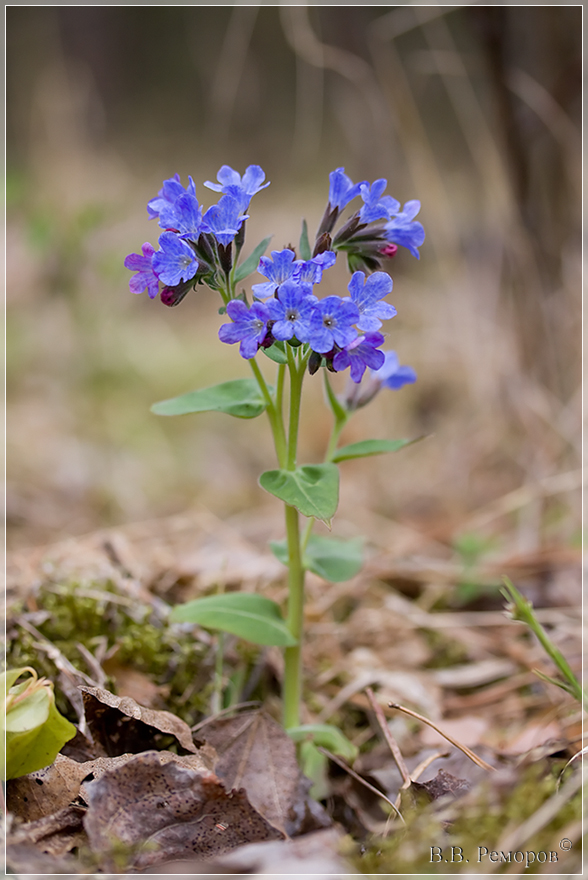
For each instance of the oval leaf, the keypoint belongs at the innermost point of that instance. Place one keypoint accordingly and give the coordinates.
(327, 736)
(247, 615)
(370, 447)
(240, 397)
(333, 559)
(312, 489)
(250, 264)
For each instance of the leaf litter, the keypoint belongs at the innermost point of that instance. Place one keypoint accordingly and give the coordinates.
(464, 667)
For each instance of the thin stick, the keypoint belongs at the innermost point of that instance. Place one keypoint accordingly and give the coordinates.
(446, 736)
(394, 747)
(355, 775)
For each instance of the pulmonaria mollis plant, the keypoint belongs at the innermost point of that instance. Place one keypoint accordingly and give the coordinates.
(285, 319)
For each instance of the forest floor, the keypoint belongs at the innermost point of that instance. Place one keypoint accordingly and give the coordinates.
(420, 626)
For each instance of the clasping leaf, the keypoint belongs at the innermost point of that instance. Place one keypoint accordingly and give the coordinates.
(371, 447)
(313, 489)
(246, 615)
(333, 559)
(240, 397)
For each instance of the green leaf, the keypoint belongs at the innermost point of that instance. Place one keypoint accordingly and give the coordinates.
(240, 397)
(370, 447)
(34, 729)
(276, 352)
(305, 251)
(247, 615)
(333, 559)
(250, 264)
(327, 736)
(313, 489)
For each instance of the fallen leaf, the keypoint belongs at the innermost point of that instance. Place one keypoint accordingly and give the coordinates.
(255, 753)
(315, 854)
(27, 859)
(121, 725)
(531, 737)
(47, 791)
(44, 792)
(442, 784)
(164, 812)
(56, 835)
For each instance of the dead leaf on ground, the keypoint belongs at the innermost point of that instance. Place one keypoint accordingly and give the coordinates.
(23, 859)
(55, 835)
(121, 725)
(161, 813)
(314, 854)
(442, 784)
(255, 753)
(45, 792)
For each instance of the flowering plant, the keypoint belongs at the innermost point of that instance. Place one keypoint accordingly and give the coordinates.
(287, 322)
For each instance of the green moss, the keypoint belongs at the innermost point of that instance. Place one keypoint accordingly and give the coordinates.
(144, 641)
(481, 819)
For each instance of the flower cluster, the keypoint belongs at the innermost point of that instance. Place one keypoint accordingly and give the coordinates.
(196, 246)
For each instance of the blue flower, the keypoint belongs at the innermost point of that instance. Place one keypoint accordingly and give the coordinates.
(401, 230)
(376, 206)
(391, 374)
(292, 311)
(184, 216)
(224, 220)
(342, 189)
(171, 190)
(367, 295)
(311, 271)
(248, 327)
(143, 266)
(278, 269)
(359, 354)
(331, 324)
(243, 189)
(175, 262)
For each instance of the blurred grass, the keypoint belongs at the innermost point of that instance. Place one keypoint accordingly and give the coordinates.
(446, 104)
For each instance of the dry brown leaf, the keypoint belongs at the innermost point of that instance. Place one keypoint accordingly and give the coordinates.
(165, 812)
(531, 737)
(56, 835)
(315, 854)
(121, 725)
(442, 784)
(47, 791)
(255, 753)
(23, 859)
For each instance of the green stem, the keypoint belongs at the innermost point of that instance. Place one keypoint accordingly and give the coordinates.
(306, 535)
(333, 442)
(523, 610)
(280, 388)
(296, 380)
(292, 686)
(274, 415)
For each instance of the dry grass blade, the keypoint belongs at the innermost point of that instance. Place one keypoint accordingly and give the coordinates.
(471, 755)
(394, 747)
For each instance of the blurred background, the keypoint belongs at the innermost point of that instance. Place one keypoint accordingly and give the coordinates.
(474, 110)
